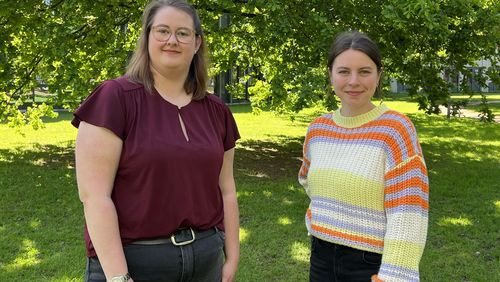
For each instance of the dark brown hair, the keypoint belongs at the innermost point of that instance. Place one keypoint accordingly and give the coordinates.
(355, 40)
(139, 70)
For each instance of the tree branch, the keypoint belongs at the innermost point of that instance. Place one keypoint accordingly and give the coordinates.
(38, 58)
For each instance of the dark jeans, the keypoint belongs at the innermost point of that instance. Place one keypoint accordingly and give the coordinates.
(200, 261)
(332, 262)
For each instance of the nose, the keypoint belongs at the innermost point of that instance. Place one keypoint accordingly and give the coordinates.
(172, 39)
(353, 79)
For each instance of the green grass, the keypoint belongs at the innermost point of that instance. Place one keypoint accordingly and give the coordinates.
(41, 217)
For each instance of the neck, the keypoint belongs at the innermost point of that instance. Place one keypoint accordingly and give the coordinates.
(353, 111)
(170, 83)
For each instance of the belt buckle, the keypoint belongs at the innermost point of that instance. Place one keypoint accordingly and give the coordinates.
(174, 241)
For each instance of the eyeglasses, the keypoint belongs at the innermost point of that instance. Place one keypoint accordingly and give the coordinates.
(163, 33)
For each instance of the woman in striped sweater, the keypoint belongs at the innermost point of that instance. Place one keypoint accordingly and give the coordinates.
(365, 175)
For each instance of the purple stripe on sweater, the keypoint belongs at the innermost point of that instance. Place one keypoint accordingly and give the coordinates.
(354, 142)
(362, 212)
(405, 274)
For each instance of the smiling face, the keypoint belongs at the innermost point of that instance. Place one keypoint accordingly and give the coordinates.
(171, 54)
(354, 78)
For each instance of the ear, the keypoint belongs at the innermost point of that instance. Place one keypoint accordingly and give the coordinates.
(379, 76)
(198, 43)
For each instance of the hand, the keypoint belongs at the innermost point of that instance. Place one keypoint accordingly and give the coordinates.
(229, 271)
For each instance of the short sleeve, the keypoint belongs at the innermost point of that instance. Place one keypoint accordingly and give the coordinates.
(232, 134)
(104, 107)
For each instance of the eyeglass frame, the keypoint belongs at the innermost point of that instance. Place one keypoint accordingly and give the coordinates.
(153, 28)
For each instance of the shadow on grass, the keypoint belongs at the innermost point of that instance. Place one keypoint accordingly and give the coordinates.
(268, 160)
(41, 220)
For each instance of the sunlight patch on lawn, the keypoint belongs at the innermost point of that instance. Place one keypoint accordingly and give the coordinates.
(497, 206)
(27, 257)
(35, 223)
(461, 221)
(284, 220)
(244, 193)
(268, 194)
(256, 174)
(300, 252)
(243, 234)
(39, 162)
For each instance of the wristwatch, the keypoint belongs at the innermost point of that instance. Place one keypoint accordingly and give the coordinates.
(121, 278)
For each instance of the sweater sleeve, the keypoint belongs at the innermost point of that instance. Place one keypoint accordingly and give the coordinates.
(406, 204)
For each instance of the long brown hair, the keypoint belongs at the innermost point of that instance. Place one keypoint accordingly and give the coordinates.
(139, 70)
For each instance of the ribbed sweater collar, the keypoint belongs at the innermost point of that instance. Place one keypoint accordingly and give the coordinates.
(357, 121)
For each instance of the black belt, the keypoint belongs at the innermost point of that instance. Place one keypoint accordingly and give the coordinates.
(180, 237)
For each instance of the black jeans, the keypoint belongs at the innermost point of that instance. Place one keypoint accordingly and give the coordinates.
(332, 262)
(200, 261)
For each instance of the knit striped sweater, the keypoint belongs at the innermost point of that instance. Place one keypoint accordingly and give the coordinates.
(367, 181)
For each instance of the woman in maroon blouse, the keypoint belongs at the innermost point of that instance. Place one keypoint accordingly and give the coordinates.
(154, 162)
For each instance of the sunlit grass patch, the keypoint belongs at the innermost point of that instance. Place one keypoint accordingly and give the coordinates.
(455, 221)
(300, 252)
(28, 256)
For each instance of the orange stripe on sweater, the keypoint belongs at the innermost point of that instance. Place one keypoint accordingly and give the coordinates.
(408, 200)
(324, 230)
(366, 136)
(389, 122)
(415, 162)
(412, 182)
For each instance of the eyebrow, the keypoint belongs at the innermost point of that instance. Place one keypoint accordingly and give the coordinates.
(361, 68)
(164, 25)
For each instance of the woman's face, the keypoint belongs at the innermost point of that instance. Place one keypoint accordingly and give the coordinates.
(354, 78)
(172, 40)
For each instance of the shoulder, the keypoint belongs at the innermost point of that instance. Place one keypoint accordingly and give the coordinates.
(325, 119)
(215, 100)
(122, 84)
(215, 103)
(397, 120)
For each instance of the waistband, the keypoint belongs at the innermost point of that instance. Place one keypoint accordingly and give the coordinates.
(180, 238)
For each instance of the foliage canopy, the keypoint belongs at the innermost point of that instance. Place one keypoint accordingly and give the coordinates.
(73, 45)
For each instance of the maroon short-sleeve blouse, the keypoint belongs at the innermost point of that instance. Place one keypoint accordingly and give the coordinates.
(163, 181)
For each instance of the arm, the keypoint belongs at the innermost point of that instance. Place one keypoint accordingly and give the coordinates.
(406, 205)
(231, 217)
(97, 156)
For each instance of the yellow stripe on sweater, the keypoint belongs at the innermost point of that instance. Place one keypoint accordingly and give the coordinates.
(347, 187)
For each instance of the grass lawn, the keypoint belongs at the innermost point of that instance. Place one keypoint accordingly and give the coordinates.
(41, 217)
(494, 107)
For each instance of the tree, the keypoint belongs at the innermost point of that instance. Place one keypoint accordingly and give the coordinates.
(73, 45)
